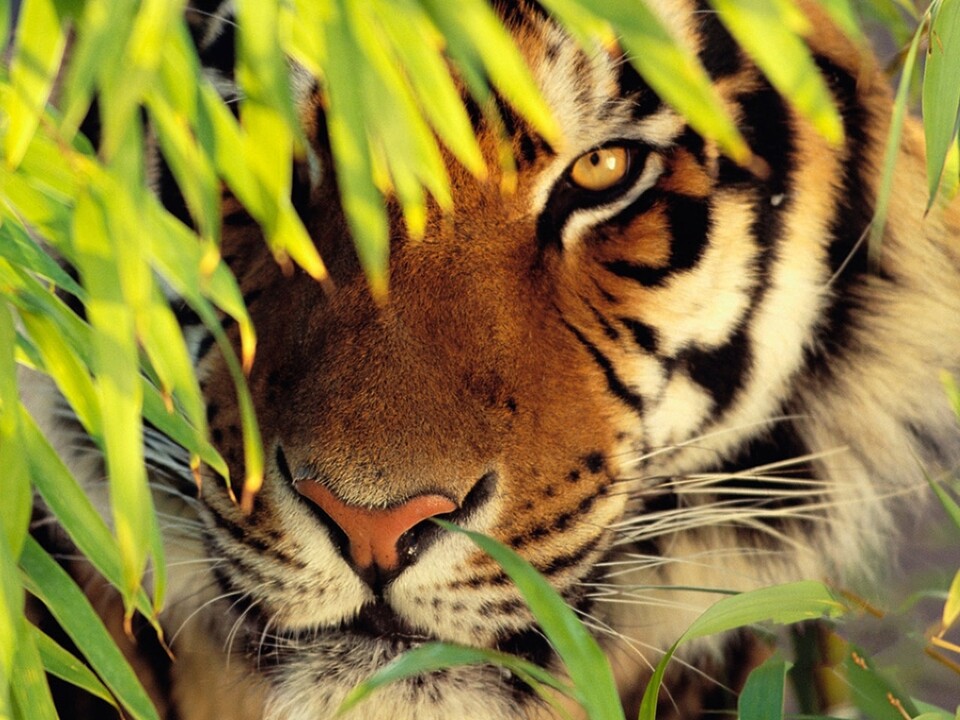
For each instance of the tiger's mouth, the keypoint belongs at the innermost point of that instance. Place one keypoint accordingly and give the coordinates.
(379, 621)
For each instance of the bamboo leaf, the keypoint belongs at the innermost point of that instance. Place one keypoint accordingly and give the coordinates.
(891, 151)
(418, 44)
(770, 31)
(586, 664)
(672, 71)
(346, 120)
(876, 696)
(11, 611)
(56, 590)
(951, 608)
(62, 664)
(113, 277)
(31, 694)
(38, 50)
(20, 249)
(480, 45)
(14, 478)
(941, 90)
(782, 604)
(762, 694)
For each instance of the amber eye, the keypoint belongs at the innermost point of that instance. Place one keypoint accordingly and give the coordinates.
(600, 169)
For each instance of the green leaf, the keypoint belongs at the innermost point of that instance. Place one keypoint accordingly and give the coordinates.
(11, 610)
(842, 12)
(67, 604)
(891, 152)
(586, 664)
(762, 694)
(949, 504)
(782, 604)
(438, 656)
(14, 478)
(941, 90)
(19, 248)
(770, 32)
(31, 694)
(73, 508)
(418, 45)
(115, 279)
(346, 119)
(65, 666)
(671, 69)
(951, 608)
(876, 696)
(478, 42)
(40, 41)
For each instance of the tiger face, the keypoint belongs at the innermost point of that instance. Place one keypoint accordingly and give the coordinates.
(644, 369)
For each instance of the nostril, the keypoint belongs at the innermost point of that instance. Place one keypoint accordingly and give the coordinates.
(380, 542)
(374, 533)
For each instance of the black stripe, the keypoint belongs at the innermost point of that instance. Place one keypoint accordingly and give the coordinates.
(720, 371)
(689, 219)
(614, 382)
(245, 537)
(609, 330)
(631, 86)
(719, 52)
(643, 335)
(854, 213)
(568, 560)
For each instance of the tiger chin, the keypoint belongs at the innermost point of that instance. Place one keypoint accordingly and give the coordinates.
(646, 370)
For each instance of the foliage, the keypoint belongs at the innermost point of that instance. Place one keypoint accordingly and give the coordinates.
(126, 361)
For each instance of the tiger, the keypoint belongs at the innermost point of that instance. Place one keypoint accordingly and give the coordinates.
(652, 373)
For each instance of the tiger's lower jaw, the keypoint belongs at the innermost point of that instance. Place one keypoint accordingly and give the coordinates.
(308, 675)
(313, 685)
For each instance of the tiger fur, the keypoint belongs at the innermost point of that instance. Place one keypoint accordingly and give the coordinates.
(690, 379)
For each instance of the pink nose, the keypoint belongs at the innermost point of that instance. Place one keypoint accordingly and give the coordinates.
(374, 533)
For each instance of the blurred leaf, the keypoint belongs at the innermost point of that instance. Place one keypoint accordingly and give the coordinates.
(479, 44)
(782, 604)
(73, 508)
(38, 50)
(419, 46)
(67, 369)
(65, 666)
(102, 29)
(346, 119)
(770, 31)
(672, 71)
(586, 664)
(762, 694)
(14, 478)
(871, 692)
(941, 90)
(20, 249)
(70, 608)
(11, 611)
(111, 273)
(949, 504)
(842, 12)
(951, 608)
(891, 152)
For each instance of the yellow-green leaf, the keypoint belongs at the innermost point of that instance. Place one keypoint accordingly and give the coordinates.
(770, 31)
(941, 90)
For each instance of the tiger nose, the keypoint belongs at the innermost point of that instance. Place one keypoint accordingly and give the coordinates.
(374, 533)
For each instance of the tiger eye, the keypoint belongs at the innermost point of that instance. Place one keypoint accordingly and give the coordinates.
(600, 169)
